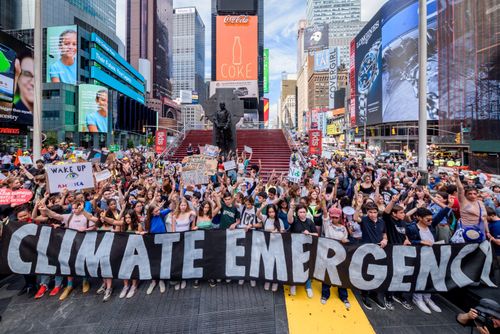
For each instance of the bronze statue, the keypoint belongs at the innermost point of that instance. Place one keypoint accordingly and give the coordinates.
(222, 125)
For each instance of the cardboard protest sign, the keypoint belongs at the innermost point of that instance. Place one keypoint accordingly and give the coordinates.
(170, 169)
(295, 174)
(230, 165)
(17, 197)
(102, 175)
(198, 162)
(248, 149)
(317, 175)
(114, 148)
(79, 154)
(326, 155)
(25, 160)
(194, 177)
(211, 151)
(71, 176)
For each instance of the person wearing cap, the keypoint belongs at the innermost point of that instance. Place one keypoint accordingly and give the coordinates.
(334, 229)
(485, 317)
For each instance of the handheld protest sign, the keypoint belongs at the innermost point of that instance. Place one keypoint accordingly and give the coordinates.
(77, 176)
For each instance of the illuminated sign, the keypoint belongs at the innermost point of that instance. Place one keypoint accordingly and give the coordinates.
(237, 48)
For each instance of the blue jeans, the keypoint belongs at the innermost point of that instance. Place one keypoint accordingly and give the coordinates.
(45, 280)
(308, 284)
(325, 292)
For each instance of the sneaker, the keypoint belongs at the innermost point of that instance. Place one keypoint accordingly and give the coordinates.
(293, 290)
(266, 286)
(379, 303)
(366, 302)
(151, 287)
(101, 289)
(212, 283)
(196, 284)
(323, 300)
(241, 282)
(253, 283)
(161, 284)
(66, 293)
(403, 302)
(310, 293)
(131, 292)
(389, 304)
(433, 306)
(347, 304)
(107, 295)
(228, 281)
(41, 291)
(183, 285)
(421, 305)
(274, 287)
(124, 292)
(219, 280)
(85, 286)
(55, 291)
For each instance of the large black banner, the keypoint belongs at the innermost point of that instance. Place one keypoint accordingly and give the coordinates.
(287, 258)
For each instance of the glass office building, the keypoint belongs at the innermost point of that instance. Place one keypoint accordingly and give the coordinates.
(188, 53)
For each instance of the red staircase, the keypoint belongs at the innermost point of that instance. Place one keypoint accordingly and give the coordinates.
(270, 146)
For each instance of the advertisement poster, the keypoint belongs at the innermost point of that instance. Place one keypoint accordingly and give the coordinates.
(62, 51)
(333, 64)
(243, 89)
(161, 141)
(92, 108)
(237, 48)
(72, 177)
(315, 143)
(266, 71)
(400, 63)
(369, 73)
(321, 60)
(266, 112)
(17, 84)
(316, 37)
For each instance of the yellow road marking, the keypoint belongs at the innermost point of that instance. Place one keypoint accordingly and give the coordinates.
(310, 316)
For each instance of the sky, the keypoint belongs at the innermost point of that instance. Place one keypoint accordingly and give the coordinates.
(280, 29)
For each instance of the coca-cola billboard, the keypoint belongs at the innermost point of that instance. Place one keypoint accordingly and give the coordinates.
(241, 19)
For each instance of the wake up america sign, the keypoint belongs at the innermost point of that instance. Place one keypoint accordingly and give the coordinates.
(287, 258)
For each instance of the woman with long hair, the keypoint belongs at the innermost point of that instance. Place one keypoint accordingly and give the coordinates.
(182, 218)
(131, 224)
(271, 223)
(314, 208)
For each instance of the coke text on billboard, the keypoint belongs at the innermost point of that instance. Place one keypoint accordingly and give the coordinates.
(161, 141)
(315, 143)
(237, 48)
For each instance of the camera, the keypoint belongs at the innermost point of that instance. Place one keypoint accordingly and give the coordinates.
(484, 320)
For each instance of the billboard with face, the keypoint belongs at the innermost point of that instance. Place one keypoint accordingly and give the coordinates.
(17, 84)
(237, 48)
(92, 108)
(62, 54)
(316, 37)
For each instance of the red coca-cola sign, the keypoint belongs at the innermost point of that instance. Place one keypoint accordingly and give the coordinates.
(315, 142)
(241, 19)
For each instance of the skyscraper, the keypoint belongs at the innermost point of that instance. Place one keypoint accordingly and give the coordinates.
(149, 41)
(188, 70)
(328, 11)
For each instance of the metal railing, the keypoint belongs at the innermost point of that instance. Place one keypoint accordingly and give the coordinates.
(293, 144)
(254, 125)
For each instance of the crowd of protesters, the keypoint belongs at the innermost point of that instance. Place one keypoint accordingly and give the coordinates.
(349, 199)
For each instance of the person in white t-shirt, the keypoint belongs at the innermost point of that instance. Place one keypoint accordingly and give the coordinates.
(81, 221)
(334, 229)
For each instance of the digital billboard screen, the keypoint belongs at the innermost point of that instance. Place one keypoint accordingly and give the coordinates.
(316, 37)
(92, 108)
(17, 84)
(237, 48)
(237, 6)
(62, 51)
(400, 63)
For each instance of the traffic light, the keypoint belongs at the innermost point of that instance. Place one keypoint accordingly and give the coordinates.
(393, 131)
(458, 138)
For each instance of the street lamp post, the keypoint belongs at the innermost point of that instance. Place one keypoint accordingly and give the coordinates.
(422, 89)
(37, 103)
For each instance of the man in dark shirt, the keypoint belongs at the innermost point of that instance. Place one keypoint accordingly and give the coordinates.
(395, 225)
(301, 224)
(374, 232)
